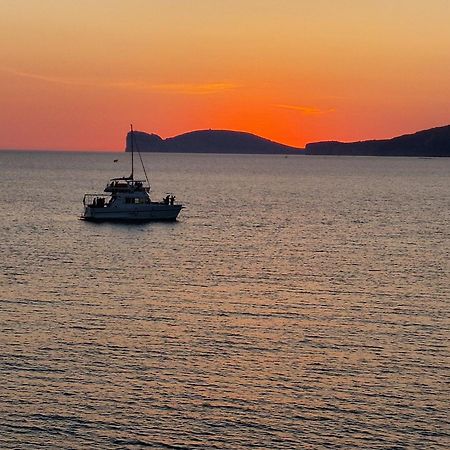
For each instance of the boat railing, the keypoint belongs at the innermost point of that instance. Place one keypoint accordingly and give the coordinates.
(96, 200)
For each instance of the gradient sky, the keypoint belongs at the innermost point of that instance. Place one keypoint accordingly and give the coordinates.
(75, 73)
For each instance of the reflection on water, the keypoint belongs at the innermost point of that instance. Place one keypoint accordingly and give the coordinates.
(297, 303)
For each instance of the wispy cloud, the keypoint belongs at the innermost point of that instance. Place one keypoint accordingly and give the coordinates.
(307, 110)
(175, 88)
(193, 88)
(47, 78)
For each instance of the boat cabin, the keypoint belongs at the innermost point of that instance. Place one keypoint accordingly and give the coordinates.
(125, 184)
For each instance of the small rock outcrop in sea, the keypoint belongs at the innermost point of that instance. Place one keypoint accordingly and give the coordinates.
(427, 143)
(210, 141)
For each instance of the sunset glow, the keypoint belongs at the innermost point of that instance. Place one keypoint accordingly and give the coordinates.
(74, 74)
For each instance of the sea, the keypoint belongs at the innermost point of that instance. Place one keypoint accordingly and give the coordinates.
(298, 302)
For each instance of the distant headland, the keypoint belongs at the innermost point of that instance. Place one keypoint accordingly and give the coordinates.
(209, 141)
(434, 142)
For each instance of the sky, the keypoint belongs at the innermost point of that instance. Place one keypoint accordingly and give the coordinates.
(75, 73)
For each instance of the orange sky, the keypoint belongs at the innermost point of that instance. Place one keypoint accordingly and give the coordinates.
(75, 73)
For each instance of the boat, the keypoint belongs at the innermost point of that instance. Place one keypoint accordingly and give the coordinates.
(126, 199)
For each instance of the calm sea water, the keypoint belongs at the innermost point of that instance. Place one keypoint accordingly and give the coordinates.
(299, 302)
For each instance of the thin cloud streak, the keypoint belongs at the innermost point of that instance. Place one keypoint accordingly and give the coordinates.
(174, 88)
(307, 110)
(194, 88)
(48, 79)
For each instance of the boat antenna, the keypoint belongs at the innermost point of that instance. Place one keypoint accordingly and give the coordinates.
(132, 153)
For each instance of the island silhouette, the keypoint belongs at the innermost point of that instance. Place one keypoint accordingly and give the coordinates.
(209, 141)
(434, 142)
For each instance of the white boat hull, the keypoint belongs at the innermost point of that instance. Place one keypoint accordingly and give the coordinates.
(137, 213)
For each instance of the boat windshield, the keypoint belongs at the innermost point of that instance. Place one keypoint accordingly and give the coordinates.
(121, 184)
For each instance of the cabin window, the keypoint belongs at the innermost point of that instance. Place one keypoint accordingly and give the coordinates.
(136, 200)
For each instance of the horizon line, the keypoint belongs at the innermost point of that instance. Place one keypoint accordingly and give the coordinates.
(103, 150)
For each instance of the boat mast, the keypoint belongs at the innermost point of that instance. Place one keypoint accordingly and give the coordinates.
(132, 153)
(140, 157)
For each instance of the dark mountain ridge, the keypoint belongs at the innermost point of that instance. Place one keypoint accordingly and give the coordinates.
(433, 142)
(209, 141)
